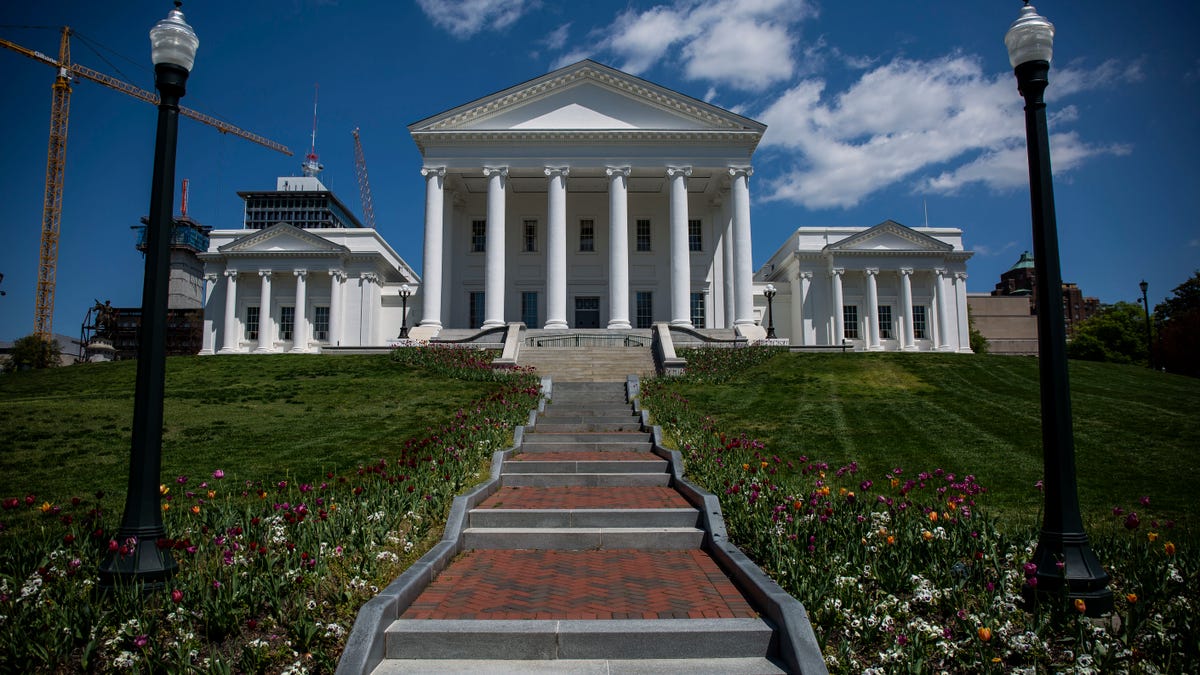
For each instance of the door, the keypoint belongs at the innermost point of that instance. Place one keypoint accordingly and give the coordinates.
(587, 312)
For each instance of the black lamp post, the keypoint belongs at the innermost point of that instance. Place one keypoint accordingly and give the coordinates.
(138, 558)
(1149, 337)
(406, 292)
(769, 294)
(1064, 558)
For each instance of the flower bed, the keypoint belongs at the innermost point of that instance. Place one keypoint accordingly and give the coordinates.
(906, 571)
(271, 575)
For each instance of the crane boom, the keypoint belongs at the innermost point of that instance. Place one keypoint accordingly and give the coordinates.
(364, 186)
(56, 159)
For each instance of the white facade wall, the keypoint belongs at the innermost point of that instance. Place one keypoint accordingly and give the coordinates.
(808, 267)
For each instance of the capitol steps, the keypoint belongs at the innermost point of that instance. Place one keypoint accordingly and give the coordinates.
(586, 559)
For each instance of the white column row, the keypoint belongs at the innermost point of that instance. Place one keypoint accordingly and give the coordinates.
(948, 322)
(736, 247)
(231, 332)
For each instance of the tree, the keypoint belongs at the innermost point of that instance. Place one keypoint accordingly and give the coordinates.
(35, 352)
(1178, 322)
(1116, 334)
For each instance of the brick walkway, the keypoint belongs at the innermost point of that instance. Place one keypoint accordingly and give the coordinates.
(613, 584)
(585, 498)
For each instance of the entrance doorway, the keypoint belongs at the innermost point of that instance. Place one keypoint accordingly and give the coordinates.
(587, 312)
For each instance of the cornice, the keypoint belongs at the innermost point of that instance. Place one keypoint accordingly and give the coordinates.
(483, 136)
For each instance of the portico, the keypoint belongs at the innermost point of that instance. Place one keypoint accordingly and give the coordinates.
(587, 198)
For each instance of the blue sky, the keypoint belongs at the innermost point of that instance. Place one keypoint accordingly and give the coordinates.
(876, 110)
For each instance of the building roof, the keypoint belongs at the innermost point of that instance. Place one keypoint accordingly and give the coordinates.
(1024, 263)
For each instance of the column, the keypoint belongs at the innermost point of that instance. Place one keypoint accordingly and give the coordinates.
(873, 309)
(964, 326)
(839, 326)
(556, 248)
(743, 265)
(907, 341)
(941, 335)
(300, 318)
(431, 281)
(336, 279)
(229, 345)
(209, 337)
(265, 339)
(372, 307)
(728, 291)
(618, 247)
(801, 282)
(493, 301)
(681, 263)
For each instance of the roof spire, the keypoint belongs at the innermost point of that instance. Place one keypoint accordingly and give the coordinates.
(310, 165)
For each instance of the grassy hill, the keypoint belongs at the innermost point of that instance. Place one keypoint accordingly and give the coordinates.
(66, 431)
(1136, 431)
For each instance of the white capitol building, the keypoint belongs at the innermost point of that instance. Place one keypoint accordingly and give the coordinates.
(583, 199)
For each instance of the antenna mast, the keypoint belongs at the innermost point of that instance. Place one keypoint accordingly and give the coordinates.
(311, 166)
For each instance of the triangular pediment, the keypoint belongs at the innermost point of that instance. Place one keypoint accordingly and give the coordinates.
(282, 238)
(587, 96)
(889, 236)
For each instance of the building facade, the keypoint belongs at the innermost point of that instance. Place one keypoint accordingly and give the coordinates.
(276, 287)
(883, 288)
(1021, 280)
(586, 198)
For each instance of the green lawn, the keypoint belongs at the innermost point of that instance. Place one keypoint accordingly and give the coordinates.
(1136, 431)
(66, 431)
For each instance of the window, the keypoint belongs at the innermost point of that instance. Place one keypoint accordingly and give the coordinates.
(587, 235)
(251, 323)
(287, 322)
(850, 321)
(644, 308)
(478, 237)
(695, 241)
(321, 322)
(529, 302)
(643, 234)
(698, 310)
(475, 308)
(530, 236)
(885, 322)
(919, 322)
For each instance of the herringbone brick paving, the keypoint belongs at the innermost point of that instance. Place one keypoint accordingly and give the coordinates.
(573, 585)
(618, 497)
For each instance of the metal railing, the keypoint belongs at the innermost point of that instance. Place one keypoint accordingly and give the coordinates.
(588, 340)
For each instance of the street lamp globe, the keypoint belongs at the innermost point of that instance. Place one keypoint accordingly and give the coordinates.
(172, 41)
(1143, 285)
(1030, 38)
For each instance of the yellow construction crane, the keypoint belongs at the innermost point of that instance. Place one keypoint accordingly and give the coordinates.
(56, 159)
(364, 187)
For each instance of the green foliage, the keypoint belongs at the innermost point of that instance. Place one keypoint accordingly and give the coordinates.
(1178, 324)
(33, 352)
(272, 571)
(970, 414)
(908, 570)
(979, 343)
(1116, 334)
(714, 366)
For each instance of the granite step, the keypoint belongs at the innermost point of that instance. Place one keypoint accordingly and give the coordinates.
(661, 479)
(711, 666)
(567, 518)
(651, 464)
(582, 538)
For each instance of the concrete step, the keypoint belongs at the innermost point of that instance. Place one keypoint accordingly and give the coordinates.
(507, 640)
(587, 466)
(712, 666)
(568, 518)
(661, 479)
(534, 445)
(585, 424)
(597, 410)
(583, 538)
(612, 388)
(587, 437)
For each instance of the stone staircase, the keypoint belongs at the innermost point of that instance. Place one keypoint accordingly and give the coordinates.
(586, 559)
(588, 364)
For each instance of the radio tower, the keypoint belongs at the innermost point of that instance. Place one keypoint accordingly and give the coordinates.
(311, 166)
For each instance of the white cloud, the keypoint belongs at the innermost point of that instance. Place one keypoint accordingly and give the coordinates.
(744, 44)
(985, 250)
(464, 18)
(556, 38)
(905, 118)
